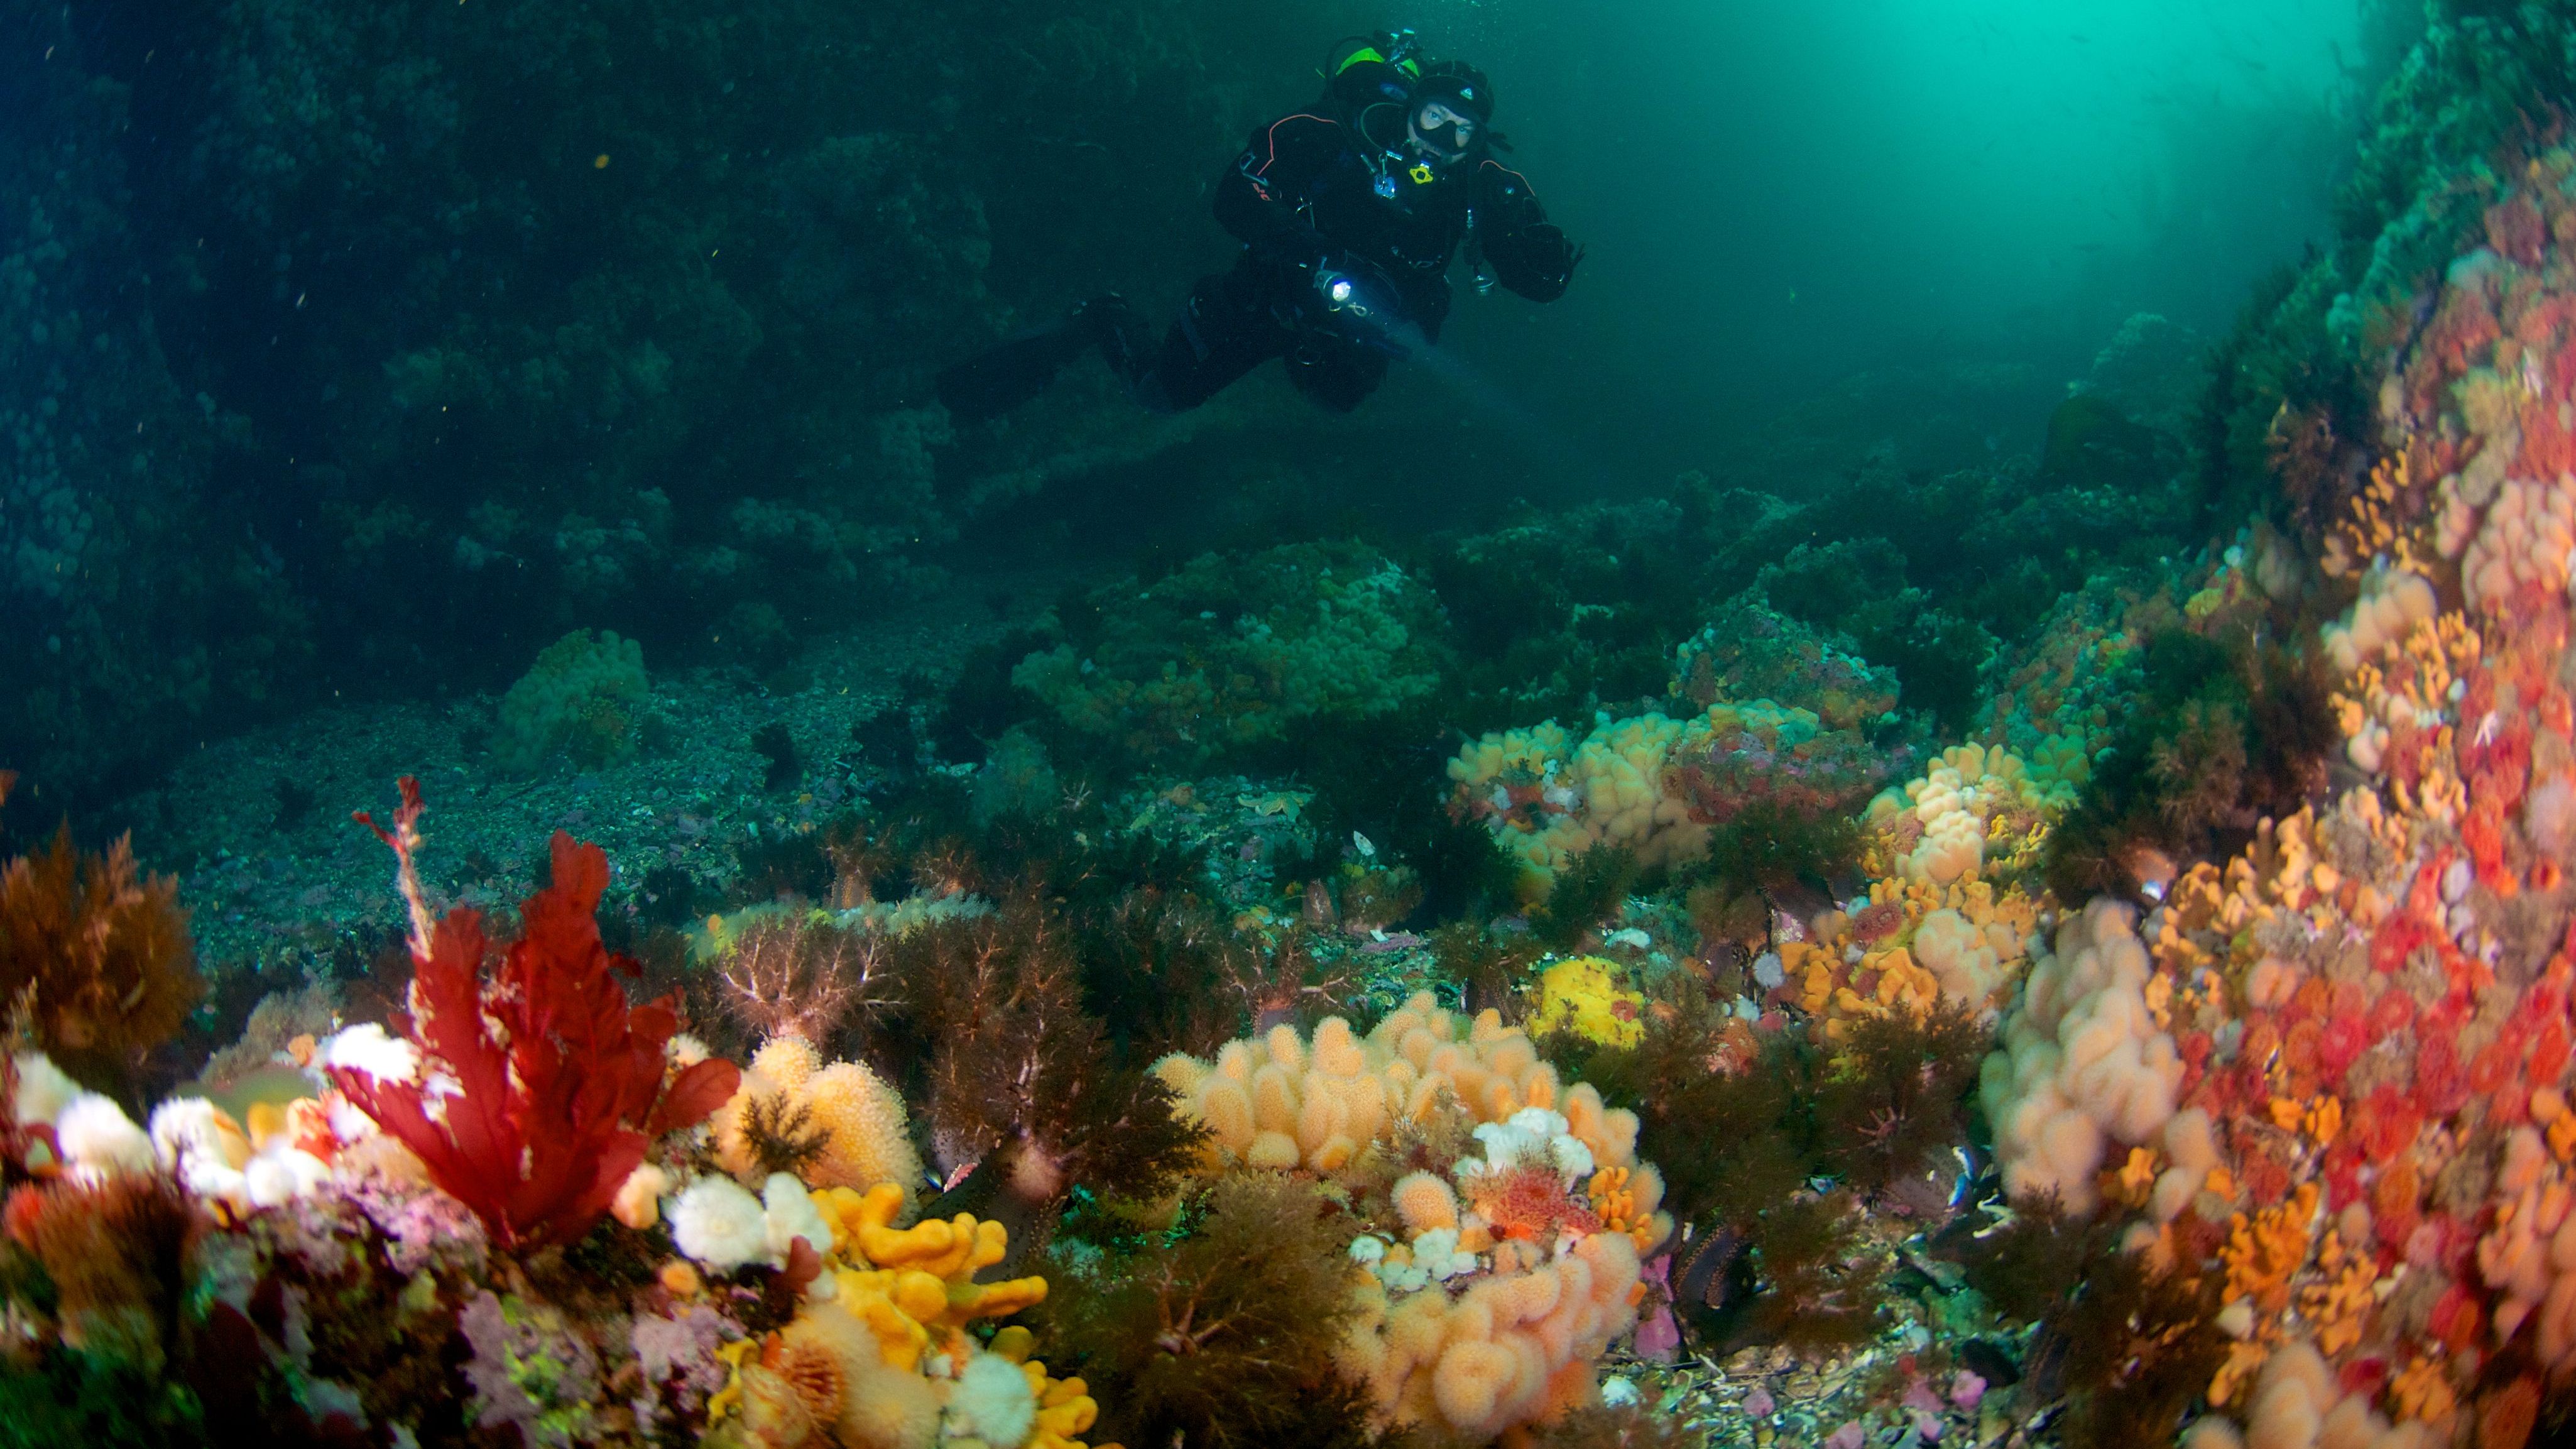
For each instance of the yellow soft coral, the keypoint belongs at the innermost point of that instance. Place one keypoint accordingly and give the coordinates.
(1065, 1407)
(1617, 1193)
(1977, 811)
(2420, 1392)
(915, 1287)
(2339, 1305)
(878, 1359)
(1916, 944)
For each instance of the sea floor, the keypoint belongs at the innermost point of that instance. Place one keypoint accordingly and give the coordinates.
(276, 876)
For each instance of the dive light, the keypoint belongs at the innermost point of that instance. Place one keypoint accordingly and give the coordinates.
(1349, 297)
(1365, 307)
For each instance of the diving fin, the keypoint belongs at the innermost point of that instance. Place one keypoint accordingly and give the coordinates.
(1013, 372)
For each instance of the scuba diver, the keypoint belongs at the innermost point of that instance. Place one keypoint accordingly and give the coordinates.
(1349, 216)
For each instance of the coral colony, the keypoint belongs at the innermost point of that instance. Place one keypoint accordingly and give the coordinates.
(1658, 974)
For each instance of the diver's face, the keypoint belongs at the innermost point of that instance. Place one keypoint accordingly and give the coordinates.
(1442, 130)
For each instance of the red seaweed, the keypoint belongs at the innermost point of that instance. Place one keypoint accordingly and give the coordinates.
(558, 1084)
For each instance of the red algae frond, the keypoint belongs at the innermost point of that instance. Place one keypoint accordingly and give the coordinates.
(559, 1083)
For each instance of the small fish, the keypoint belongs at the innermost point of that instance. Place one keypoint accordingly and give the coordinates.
(1973, 1181)
(2046, 1365)
(1704, 1279)
(1319, 905)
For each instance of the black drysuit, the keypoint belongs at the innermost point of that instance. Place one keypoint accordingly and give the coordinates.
(1304, 192)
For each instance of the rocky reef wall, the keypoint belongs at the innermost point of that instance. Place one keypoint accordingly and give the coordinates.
(345, 341)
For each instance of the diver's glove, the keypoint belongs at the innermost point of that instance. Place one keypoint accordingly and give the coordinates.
(1547, 239)
(1536, 261)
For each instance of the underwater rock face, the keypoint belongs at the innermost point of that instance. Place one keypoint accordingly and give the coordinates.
(522, 324)
(581, 699)
(1777, 730)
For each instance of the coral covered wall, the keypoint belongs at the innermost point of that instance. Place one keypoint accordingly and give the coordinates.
(2325, 1072)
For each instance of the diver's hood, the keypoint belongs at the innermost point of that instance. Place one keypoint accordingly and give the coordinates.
(1461, 85)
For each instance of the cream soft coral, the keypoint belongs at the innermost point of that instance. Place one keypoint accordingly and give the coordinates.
(1962, 956)
(2298, 1405)
(2529, 1255)
(2525, 539)
(1950, 807)
(1518, 1341)
(2083, 1064)
(1284, 1101)
(865, 1141)
(1513, 1349)
(2391, 602)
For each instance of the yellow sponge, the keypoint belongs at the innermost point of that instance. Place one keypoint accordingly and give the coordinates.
(1585, 996)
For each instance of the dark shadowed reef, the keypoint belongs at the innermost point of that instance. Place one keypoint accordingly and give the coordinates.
(368, 347)
(371, 345)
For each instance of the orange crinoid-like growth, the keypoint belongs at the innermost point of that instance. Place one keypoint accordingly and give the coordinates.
(100, 953)
(1530, 1202)
(114, 1251)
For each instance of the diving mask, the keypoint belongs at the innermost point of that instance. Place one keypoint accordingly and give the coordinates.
(1442, 131)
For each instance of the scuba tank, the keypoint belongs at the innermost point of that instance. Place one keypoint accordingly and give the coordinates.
(1390, 57)
(1368, 84)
